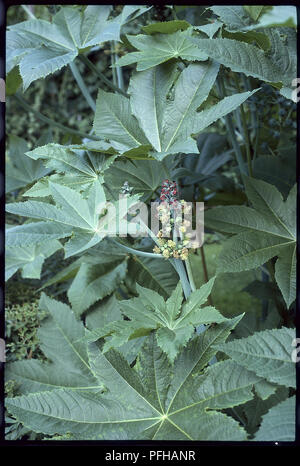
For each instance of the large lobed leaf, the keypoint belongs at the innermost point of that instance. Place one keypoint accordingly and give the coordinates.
(74, 168)
(267, 353)
(113, 121)
(75, 215)
(157, 49)
(279, 424)
(251, 17)
(29, 258)
(149, 402)
(40, 48)
(143, 176)
(236, 17)
(174, 323)
(166, 124)
(277, 65)
(95, 280)
(61, 340)
(265, 231)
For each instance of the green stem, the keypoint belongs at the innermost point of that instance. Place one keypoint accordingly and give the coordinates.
(112, 57)
(50, 122)
(256, 143)
(245, 129)
(188, 285)
(205, 272)
(248, 87)
(166, 169)
(238, 120)
(82, 86)
(119, 70)
(174, 13)
(230, 129)
(179, 267)
(247, 140)
(30, 14)
(183, 62)
(137, 252)
(190, 274)
(101, 76)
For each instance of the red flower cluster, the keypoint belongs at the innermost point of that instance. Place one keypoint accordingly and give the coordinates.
(169, 192)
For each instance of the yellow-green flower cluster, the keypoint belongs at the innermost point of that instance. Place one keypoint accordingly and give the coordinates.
(171, 218)
(169, 248)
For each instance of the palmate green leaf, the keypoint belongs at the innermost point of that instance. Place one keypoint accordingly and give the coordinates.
(20, 170)
(174, 323)
(74, 169)
(159, 48)
(73, 208)
(279, 424)
(208, 116)
(94, 281)
(252, 61)
(209, 29)
(266, 231)
(31, 234)
(41, 48)
(103, 253)
(73, 213)
(79, 183)
(192, 89)
(168, 124)
(285, 273)
(61, 159)
(255, 11)
(108, 310)
(29, 258)
(258, 39)
(249, 17)
(155, 84)
(113, 121)
(249, 250)
(143, 176)
(102, 147)
(61, 340)
(283, 54)
(236, 17)
(148, 403)
(267, 353)
(77, 216)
